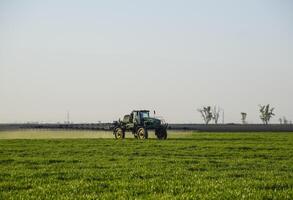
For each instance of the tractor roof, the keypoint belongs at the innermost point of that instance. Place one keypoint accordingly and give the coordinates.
(141, 111)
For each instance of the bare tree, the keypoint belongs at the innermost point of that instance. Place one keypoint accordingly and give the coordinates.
(206, 114)
(285, 120)
(266, 113)
(216, 114)
(243, 117)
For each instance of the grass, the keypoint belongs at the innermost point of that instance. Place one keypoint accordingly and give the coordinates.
(194, 166)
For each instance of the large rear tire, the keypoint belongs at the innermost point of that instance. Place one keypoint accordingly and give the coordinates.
(119, 133)
(161, 133)
(142, 133)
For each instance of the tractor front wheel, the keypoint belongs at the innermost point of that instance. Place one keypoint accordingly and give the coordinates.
(142, 133)
(119, 133)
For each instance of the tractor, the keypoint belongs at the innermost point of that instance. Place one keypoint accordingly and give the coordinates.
(139, 122)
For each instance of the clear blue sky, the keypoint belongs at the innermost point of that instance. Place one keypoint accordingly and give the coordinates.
(101, 59)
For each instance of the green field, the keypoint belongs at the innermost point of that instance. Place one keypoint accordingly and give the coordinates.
(186, 166)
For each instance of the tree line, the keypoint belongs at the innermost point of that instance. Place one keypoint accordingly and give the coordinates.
(209, 114)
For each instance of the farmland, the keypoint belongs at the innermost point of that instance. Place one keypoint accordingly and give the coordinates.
(189, 165)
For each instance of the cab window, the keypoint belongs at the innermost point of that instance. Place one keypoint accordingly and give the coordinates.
(145, 115)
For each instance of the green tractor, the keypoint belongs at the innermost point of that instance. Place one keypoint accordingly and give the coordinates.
(139, 122)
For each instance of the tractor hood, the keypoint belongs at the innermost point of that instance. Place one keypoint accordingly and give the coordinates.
(149, 121)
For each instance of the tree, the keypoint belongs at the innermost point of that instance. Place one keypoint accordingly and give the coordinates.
(206, 114)
(243, 117)
(216, 114)
(285, 121)
(266, 113)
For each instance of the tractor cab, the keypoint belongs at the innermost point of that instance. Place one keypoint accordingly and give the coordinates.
(138, 116)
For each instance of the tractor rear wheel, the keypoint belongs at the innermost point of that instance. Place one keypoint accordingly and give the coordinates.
(142, 133)
(161, 133)
(119, 133)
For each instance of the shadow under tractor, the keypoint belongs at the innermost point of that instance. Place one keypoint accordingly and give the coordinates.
(139, 122)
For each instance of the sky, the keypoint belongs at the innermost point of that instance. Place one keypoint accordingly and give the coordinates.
(99, 60)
